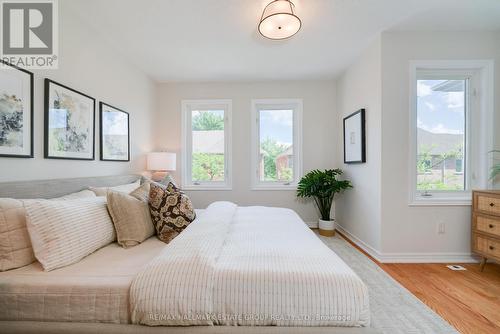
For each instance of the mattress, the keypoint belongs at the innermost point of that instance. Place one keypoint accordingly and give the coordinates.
(96, 289)
(248, 266)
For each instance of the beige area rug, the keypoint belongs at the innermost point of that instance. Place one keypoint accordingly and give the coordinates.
(394, 310)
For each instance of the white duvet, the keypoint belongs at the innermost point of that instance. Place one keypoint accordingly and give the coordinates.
(248, 266)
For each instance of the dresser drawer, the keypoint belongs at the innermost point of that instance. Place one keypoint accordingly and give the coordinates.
(487, 203)
(487, 224)
(487, 246)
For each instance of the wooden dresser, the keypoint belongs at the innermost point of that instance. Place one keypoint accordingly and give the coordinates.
(486, 225)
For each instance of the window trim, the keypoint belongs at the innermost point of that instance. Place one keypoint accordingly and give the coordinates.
(187, 106)
(479, 135)
(297, 106)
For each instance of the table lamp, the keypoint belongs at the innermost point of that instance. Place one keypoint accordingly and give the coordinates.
(159, 163)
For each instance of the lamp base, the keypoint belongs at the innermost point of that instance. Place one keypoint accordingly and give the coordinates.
(158, 175)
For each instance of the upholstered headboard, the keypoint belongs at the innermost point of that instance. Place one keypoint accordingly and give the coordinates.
(60, 187)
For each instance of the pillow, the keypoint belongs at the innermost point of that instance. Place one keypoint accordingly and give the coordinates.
(169, 180)
(64, 232)
(15, 244)
(124, 188)
(131, 218)
(171, 211)
(142, 193)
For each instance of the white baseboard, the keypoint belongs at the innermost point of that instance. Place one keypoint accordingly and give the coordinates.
(409, 257)
(428, 258)
(360, 243)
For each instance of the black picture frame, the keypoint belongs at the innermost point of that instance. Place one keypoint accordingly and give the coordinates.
(47, 85)
(101, 132)
(362, 118)
(31, 113)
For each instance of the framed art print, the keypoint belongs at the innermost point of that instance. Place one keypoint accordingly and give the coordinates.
(114, 133)
(354, 138)
(69, 123)
(16, 112)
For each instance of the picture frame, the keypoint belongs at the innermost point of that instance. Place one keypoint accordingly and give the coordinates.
(114, 133)
(69, 123)
(16, 111)
(355, 138)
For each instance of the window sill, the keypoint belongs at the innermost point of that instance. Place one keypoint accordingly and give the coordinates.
(207, 188)
(443, 201)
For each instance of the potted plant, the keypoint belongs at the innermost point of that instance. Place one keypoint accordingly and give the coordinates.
(495, 169)
(322, 187)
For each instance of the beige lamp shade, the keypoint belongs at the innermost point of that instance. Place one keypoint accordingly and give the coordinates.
(161, 161)
(279, 21)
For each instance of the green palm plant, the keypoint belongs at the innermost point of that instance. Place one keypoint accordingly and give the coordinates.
(322, 187)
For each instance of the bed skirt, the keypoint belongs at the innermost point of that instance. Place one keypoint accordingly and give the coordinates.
(34, 327)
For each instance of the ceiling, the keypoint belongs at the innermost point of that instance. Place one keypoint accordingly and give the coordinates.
(217, 40)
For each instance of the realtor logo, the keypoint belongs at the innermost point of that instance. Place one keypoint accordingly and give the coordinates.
(29, 33)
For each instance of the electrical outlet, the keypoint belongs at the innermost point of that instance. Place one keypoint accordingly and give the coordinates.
(441, 228)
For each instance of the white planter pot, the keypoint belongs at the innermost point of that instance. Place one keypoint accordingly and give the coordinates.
(327, 227)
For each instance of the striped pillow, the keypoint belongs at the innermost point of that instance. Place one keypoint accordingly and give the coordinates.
(15, 245)
(64, 232)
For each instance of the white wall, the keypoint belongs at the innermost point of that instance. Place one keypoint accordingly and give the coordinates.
(319, 134)
(90, 66)
(413, 229)
(358, 209)
(376, 213)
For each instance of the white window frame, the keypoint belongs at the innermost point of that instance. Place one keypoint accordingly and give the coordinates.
(278, 104)
(187, 107)
(479, 127)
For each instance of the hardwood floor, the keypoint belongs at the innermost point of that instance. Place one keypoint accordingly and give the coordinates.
(469, 300)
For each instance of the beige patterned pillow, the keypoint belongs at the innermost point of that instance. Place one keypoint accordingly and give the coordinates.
(142, 193)
(131, 219)
(171, 211)
(64, 232)
(15, 244)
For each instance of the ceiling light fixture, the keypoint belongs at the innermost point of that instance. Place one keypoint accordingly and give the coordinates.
(279, 21)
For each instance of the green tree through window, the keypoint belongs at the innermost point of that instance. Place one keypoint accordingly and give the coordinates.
(208, 166)
(207, 121)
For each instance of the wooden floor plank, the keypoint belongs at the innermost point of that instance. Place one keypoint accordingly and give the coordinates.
(469, 300)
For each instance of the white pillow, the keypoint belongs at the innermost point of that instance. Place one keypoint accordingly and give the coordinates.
(64, 232)
(124, 188)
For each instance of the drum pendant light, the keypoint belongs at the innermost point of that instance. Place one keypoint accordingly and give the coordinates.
(279, 21)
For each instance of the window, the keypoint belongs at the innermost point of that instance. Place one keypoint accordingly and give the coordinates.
(206, 156)
(449, 131)
(442, 112)
(276, 144)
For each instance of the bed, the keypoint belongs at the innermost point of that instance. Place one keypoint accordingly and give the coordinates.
(229, 267)
(95, 289)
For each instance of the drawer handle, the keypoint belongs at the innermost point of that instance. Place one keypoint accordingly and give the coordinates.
(492, 248)
(491, 226)
(492, 204)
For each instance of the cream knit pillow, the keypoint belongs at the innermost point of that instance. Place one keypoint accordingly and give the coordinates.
(131, 218)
